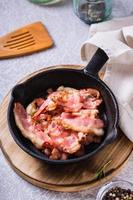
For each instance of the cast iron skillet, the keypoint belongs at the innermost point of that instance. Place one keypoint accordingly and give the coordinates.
(53, 78)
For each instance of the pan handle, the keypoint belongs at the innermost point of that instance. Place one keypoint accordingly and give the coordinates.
(96, 62)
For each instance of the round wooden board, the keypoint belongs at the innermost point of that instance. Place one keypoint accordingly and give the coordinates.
(70, 178)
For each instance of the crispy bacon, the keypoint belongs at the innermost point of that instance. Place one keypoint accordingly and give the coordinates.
(93, 93)
(68, 98)
(86, 113)
(90, 103)
(30, 131)
(47, 105)
(90, 98)
(55, 154)
(62, 123)
(88, 138)
(66, 141)
(81, 123)
(71, 144)
(71, 101)
(24, 125)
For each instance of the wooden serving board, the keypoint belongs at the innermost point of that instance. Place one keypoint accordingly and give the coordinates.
(70, 178)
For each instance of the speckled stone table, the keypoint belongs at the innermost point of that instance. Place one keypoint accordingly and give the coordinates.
(68, 33)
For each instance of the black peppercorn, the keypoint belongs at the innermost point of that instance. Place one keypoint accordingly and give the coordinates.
(118, 193)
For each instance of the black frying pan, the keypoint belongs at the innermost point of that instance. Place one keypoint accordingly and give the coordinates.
(87, 77)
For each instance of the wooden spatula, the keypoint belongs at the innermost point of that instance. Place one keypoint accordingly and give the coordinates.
(26, 40)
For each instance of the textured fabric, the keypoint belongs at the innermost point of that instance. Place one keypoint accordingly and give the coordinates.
(119, 71)
(68, 33)
(112, 25)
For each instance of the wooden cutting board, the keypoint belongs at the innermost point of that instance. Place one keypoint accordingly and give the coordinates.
(70, 178)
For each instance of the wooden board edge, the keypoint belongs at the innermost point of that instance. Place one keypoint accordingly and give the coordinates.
(61, 188)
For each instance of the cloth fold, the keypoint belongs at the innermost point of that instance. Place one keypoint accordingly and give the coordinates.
(117, 41)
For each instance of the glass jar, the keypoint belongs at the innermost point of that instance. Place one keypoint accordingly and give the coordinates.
(45, 2)
(93, 11)
(120, 183)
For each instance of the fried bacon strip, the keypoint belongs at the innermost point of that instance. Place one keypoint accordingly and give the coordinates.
(81, 123)
(23, 121)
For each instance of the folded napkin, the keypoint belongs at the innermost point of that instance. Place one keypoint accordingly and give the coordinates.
(116, 39)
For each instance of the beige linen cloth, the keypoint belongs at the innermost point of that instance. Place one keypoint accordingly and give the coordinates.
(116, 39)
